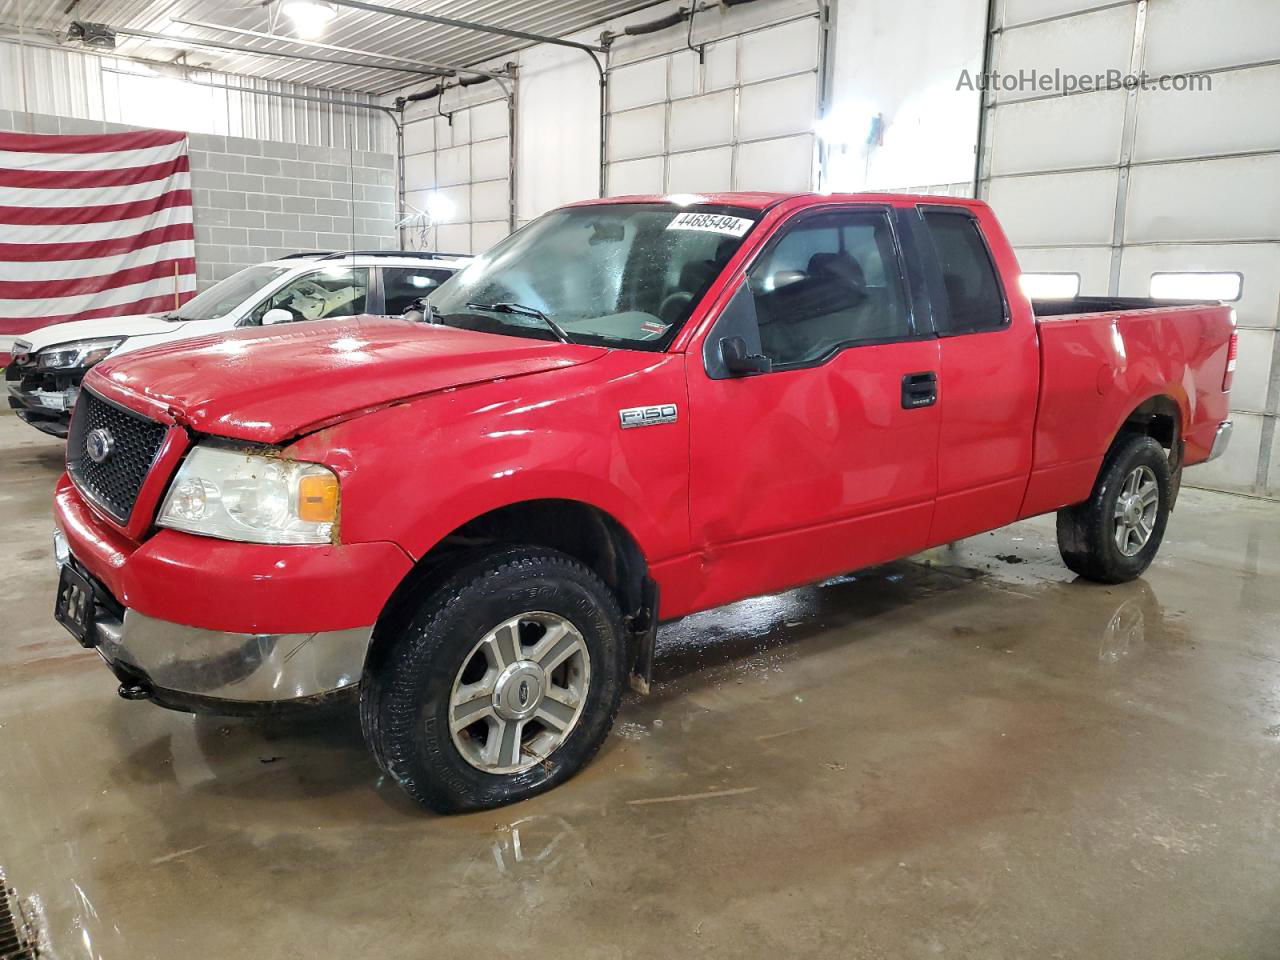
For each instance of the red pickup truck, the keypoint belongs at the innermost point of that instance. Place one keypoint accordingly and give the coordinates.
(630, 410)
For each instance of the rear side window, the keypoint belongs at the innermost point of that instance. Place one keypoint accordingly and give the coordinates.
(973, 297)
(404, 286)
(830, 281)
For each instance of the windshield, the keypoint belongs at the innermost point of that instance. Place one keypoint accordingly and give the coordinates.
(625, 275)
(225, 295)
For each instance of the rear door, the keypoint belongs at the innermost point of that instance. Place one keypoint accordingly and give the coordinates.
(988, 380)
(828, 462)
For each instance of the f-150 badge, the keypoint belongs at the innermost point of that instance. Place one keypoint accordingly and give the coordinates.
(647, 416)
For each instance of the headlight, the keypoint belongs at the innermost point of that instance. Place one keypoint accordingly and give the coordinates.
(77, 354)
(252, 497)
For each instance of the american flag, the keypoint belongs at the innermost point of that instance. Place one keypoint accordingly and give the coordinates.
(93, 226)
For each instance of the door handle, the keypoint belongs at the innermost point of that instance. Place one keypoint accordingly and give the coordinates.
(919, 390)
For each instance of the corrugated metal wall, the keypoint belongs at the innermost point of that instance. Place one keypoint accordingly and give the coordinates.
(71, 83)
(1119, 185)
(740, 117)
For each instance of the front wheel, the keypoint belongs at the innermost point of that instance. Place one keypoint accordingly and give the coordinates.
(1113, 536)
(502, 684)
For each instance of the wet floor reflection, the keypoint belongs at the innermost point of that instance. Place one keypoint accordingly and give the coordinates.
(966, 753)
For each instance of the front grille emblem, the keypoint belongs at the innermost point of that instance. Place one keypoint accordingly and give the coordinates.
(99, 444)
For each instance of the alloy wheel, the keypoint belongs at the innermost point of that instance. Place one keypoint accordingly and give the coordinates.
(519, 693)
(1136, 510)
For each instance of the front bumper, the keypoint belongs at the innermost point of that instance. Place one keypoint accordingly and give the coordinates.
(42, 398)
(1220, 440)
(190, 668)
(49, 411)
(203, 624)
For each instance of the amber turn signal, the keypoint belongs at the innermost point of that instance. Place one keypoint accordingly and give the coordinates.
(318, 498)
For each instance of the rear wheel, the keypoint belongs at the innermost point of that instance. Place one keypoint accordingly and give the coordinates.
(501, 685)
(1113, 536)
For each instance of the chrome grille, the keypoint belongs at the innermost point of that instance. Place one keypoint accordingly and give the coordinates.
(114, 482)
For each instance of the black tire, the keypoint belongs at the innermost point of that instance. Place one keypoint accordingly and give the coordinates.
(1087, 531)
(405, 694)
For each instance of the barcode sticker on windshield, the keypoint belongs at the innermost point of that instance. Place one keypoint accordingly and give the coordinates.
(711, 223)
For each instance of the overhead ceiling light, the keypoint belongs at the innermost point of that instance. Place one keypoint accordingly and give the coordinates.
(310, 17)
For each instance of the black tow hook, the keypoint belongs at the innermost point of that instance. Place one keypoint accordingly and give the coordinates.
(135, 691)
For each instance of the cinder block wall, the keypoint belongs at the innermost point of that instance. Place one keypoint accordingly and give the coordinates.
(257, 199)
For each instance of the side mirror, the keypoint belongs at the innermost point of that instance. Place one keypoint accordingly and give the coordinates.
(733, 351)
(732, 346)
(276, 315)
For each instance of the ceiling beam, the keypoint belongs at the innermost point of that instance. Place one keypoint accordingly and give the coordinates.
(52, 41)
(258, 52)
(446, 70)
(278, 38)
(466, 25)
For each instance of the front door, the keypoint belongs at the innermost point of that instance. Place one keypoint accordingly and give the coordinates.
(829, 461)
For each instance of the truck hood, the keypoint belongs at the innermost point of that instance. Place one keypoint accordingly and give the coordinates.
(266, 385)
(139, 325)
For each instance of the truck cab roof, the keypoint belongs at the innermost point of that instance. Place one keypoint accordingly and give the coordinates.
(764, 200)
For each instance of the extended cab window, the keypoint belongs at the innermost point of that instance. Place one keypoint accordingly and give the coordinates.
(831, 280)
(973, 298)
(335, 291)
(404, 286)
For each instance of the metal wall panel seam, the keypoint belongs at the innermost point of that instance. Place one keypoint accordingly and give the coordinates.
(712, 93)
(1262, 480)
(1128, 136)
(1067, 16)
(679, 47)
(1161, 162)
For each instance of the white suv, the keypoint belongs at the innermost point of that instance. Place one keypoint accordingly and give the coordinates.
(49, 363)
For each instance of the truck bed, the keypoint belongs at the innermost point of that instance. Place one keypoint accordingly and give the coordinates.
(1074, 305)
(1103, 359)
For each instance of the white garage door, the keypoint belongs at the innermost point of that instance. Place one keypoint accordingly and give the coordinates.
(742, 119)
(457, 171)
(1149, 191)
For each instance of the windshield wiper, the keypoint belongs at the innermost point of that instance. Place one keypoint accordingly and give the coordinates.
(519, 309)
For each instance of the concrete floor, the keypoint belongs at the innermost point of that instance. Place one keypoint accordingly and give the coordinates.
(965, 754)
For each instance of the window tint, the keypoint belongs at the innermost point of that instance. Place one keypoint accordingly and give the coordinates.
(331, 292)
(403, 286)
(831, 280)
(968, 275)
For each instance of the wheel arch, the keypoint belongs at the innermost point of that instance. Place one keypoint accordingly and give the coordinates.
(1160, 417)
(581, 530)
